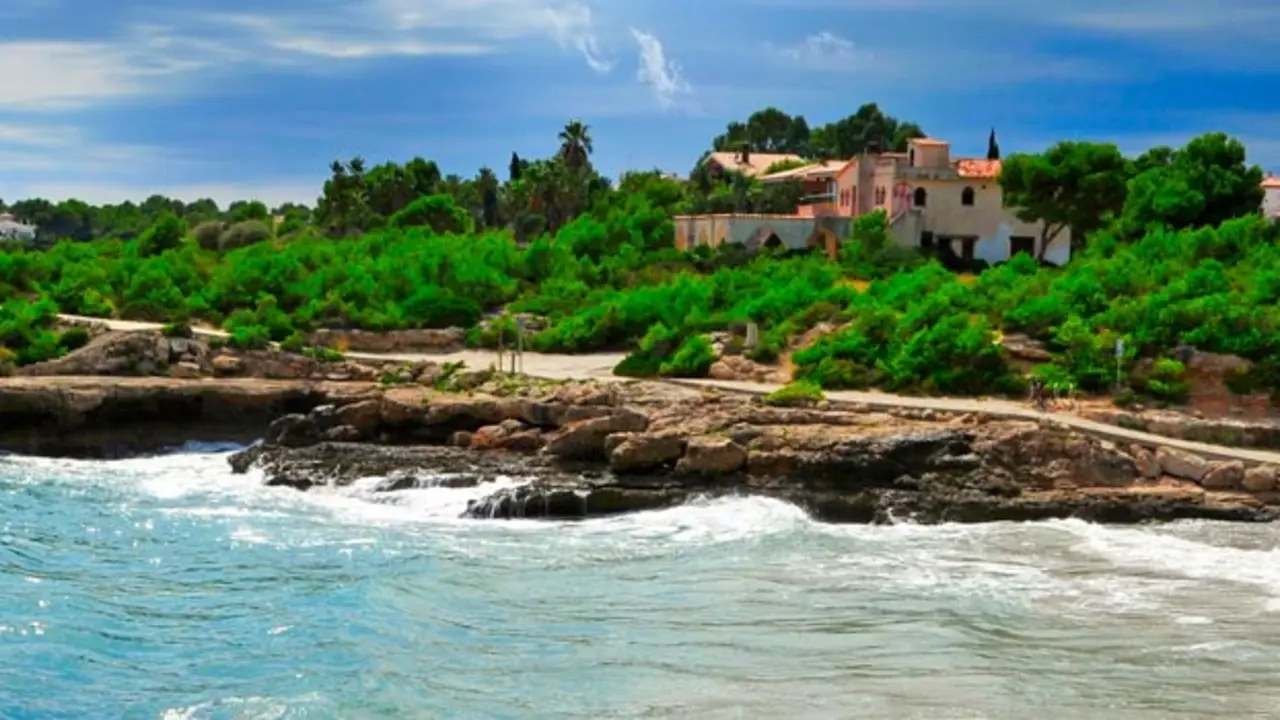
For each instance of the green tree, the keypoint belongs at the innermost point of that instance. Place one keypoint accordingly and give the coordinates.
(1076, 185)
(575, 145)
(1203, 184)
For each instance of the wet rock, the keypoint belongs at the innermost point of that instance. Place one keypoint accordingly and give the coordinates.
(1181, 464)
(1224, 475)
(294, 430)
(365, 416)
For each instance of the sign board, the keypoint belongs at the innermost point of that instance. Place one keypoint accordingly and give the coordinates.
(753, 336)
(520, 323)
(1119, 347)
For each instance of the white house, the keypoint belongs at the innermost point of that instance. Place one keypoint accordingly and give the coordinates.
(1271, 197)
(11, 229)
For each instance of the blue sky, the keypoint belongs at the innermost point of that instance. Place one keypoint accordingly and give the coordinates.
(236, 99)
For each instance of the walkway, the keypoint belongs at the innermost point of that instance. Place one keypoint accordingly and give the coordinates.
(600, 366)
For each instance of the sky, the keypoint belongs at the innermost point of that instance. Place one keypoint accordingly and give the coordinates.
(231, 99)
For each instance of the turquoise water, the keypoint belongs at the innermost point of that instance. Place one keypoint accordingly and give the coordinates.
(169, 588)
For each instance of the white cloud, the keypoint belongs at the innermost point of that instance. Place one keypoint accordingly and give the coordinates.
(663, 76)
(826, 51)
(421, 27)
(61, 74)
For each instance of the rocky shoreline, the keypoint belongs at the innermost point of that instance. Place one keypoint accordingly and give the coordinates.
(591, 448)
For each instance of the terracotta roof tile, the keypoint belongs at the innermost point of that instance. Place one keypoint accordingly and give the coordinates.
(756, 162)
(977, 168)
(1271, 182)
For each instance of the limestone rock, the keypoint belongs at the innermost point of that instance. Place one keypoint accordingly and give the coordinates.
(645, 451)
(712, 456)
(1224, 475)
(1260, 479)
(584, 440)
(1181, 464)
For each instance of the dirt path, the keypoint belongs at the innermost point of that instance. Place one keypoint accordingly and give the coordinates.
(600, 366)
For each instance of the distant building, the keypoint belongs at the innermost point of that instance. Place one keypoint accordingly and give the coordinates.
(11, 229)
(932, 201)
(751, 164)
(1271, 197)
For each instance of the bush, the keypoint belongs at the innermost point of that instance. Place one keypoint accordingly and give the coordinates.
(243, 234)
(177, 330)
(692, 359)
(249, 337)
(795, 394)
(73, 339)
(208, 234)
(295, 343)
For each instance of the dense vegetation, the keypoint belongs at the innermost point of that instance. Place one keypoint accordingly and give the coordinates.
(1173, 252)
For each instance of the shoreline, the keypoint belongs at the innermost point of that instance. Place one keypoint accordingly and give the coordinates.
(603, 446)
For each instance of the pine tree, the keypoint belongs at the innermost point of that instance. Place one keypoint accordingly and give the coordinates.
(993, 147)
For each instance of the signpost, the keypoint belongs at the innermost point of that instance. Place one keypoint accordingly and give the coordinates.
(519, 343)
(753, 336)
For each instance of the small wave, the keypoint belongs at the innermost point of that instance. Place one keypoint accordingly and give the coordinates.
(1168, 554)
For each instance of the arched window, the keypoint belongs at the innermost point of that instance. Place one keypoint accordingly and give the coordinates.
(921, 197)
(966, 196)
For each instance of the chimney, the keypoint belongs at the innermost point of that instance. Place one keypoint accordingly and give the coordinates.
(744, 156)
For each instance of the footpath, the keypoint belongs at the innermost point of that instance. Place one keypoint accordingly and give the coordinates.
(600, 367)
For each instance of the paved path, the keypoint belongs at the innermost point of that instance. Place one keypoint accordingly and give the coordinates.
(600, 366)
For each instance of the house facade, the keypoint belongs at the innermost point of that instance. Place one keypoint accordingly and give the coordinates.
(11, 229)
(1271, 197)
(933, 201)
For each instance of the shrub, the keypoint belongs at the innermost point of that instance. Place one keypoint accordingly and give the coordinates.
(243, 234)
(295, 343)
(73, 339)
(208, 234)
(177, 330)
(795, 394)
(692, 359)
(250, 337)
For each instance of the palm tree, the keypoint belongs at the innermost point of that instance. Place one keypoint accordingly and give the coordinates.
(575, 144)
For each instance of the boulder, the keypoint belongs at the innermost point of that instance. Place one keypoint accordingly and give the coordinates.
(1181, 464)
(712, 456)
(364, 416)
(186, 371)
(511, 435)
(639, 452)
(293, 430)
(1145, 460)
(585, 439)
(225, 365)
(1223, 475)
(1260, 479)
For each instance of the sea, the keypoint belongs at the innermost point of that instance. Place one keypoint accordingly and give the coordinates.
(167, 587)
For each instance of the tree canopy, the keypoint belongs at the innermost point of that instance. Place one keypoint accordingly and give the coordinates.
(1173, 251)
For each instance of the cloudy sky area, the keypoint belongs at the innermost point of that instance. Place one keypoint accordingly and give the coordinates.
(233, 99)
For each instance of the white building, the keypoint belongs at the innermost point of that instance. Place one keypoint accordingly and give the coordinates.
(1271, 197)
(11, 229)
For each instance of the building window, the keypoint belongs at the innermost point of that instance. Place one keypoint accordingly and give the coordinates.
(911, 157)
(921, 197)
(1022, 244)
(966, 196)
(926, 240)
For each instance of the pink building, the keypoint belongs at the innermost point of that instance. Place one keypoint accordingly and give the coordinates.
(932, 200)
